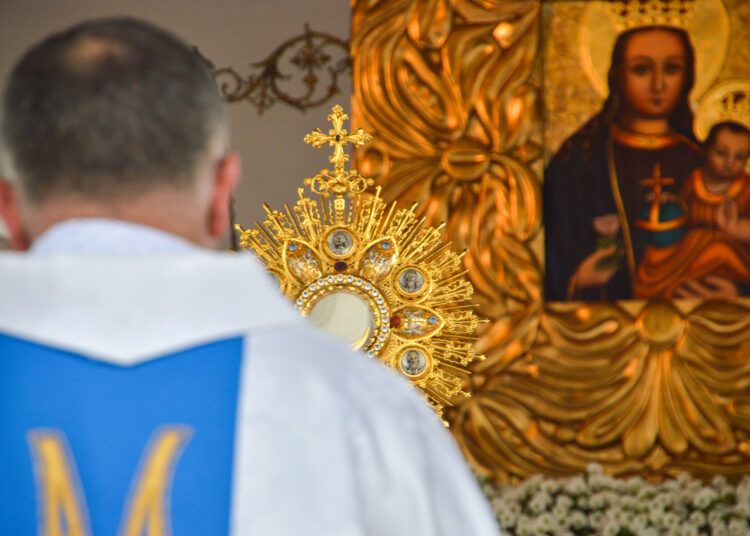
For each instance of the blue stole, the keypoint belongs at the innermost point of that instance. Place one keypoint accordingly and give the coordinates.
(94, 449)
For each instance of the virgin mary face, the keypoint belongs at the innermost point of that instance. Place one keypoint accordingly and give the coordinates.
(653, 72)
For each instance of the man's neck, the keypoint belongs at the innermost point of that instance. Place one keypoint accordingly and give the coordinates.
(99, 236)
(165, 212)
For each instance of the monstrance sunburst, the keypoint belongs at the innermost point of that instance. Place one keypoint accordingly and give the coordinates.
(370, 273)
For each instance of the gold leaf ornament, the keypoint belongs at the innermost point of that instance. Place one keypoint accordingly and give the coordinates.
(452, 91)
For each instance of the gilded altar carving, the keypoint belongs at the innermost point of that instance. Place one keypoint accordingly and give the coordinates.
(456, 93)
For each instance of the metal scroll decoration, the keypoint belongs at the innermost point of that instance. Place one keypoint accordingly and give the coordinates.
(302, 72)
(372, 274)
(452, 91)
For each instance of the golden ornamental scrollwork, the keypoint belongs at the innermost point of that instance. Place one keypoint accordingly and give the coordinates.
(452, 92)
(453, 98)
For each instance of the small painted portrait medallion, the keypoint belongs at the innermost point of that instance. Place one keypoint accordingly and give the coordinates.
(340, 243)
(411, 281)
(413, 362)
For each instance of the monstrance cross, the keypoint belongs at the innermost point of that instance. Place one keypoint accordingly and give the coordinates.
(338, 137)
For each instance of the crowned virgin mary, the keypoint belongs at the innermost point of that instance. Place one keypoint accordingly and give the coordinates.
(601, 179)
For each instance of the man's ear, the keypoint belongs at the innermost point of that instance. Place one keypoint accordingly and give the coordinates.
(226, 177)
(19, 239)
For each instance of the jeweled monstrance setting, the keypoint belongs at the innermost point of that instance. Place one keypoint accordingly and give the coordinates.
(371, 274)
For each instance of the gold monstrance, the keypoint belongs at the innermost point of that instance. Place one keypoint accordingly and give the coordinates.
(371, 274)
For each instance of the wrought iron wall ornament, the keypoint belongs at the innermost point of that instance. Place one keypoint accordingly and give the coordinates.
(307, 61)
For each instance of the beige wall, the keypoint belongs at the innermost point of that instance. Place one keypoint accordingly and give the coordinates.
(229, 33)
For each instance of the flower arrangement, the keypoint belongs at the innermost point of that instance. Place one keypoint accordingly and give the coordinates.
(595, 504)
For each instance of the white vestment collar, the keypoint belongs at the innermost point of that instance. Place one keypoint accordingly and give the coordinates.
(105, 237)
(101, 288)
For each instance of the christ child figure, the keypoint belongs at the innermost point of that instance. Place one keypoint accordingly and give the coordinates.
(725, 172)
(717, 197)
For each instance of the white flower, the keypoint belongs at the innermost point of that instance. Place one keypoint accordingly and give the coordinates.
(596, 520)
(678, 507)
(594, 468)
(616, 515)
(577, 519)
(738, 527)
(576, 485)
(597, 501)
(639, 523)
(563, 501)
(540, 501)
(697, 518)
(687, 530)
(550, 485)
(499, 504)
(655, 515)
(669, 499)
(646, 493)
(524, 528)
(540, 529)
(704, 498)
(635, 484)
(559, 513)
(694, 486)
(685, 497)
(618, 485)
(681, 509)
(507, 520)
(532, 484)
(546, 523)
(743, 509)
(629, 503)
(719, 482)
(670, 519)
(611, 497)
(514, 508)
(513, 494)
(659, 502)
(597, 482)
(677, 530)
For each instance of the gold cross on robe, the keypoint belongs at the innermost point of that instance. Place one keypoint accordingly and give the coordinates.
(657, 182)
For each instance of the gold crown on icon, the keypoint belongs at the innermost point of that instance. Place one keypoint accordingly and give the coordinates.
(631, 14)
(734, 107)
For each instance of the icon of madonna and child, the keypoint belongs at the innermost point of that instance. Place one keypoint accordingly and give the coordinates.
(635, 206)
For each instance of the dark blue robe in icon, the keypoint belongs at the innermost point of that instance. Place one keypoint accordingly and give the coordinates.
(579, 185)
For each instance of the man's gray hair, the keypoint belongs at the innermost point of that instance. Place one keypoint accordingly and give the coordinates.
(108, 108)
